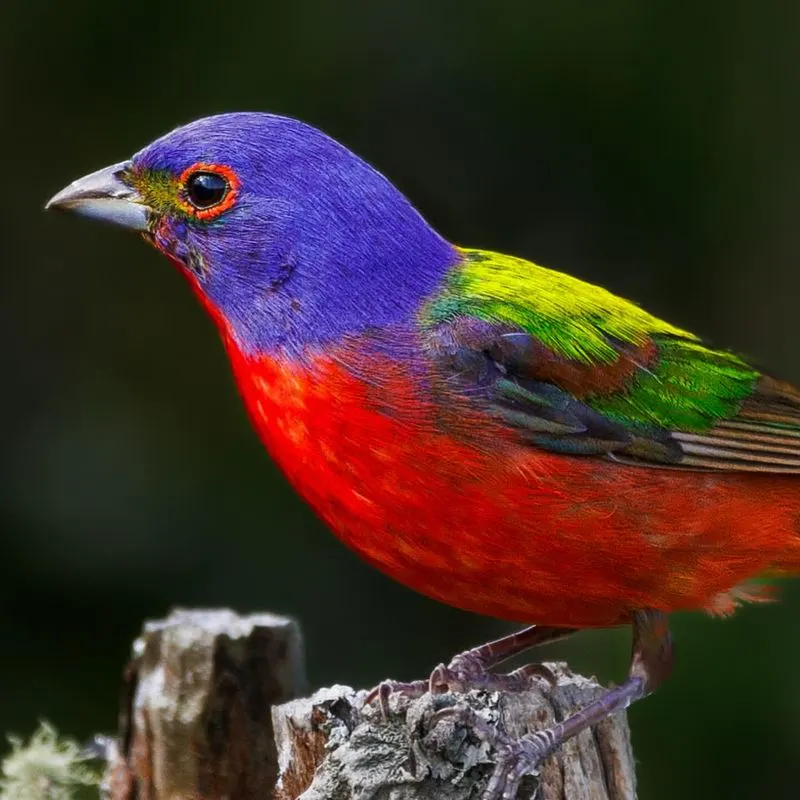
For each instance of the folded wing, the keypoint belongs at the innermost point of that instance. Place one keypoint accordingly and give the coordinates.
(576, 370)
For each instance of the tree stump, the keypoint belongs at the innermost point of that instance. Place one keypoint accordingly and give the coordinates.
(206, 717)
(331, 747)
(195, 722)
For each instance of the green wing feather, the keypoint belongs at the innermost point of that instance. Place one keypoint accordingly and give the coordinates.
(580, 370)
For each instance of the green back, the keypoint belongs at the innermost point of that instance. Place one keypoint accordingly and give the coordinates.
(688, 386)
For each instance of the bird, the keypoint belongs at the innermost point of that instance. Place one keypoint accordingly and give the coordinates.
(493, 433)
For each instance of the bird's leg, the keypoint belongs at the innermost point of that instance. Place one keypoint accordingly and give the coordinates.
(470, 669)
(651, 664)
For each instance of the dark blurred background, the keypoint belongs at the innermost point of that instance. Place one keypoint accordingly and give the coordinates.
(650, 146)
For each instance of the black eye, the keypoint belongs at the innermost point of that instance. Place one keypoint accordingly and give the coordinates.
(206, 189)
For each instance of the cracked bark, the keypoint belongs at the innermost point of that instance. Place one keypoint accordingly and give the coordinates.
(206, 717)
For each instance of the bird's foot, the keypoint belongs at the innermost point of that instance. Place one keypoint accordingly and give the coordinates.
(463, 674)
(651, 663)
(515, 758)
(471, 669)
(385, 689)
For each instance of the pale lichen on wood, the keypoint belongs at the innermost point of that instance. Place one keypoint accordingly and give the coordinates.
(331, 747)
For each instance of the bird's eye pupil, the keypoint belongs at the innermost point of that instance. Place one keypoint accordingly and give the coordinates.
(206, 189)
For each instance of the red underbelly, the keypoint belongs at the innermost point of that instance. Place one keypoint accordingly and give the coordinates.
(458, 510)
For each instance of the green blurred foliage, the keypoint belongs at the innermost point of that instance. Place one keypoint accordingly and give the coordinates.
(649, 146)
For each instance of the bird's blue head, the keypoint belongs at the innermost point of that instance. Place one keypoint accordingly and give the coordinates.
(291, 238)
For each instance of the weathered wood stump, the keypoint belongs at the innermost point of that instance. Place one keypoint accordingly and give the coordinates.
(196, 719)
(206, 717)
(330, 747)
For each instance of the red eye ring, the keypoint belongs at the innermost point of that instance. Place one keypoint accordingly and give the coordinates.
(201, 173)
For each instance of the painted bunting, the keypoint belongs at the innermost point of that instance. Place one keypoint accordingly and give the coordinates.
(497, 435)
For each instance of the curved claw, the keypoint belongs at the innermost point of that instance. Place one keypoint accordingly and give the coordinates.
(385, 689)
(535, 671)
(440, 680)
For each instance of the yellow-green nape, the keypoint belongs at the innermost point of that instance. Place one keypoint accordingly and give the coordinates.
(573, 318)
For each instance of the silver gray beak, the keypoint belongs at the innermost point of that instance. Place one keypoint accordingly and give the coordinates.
(105, 196)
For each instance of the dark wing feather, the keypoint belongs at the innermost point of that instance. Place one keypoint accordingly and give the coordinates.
(545, 398)
(763, 437)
